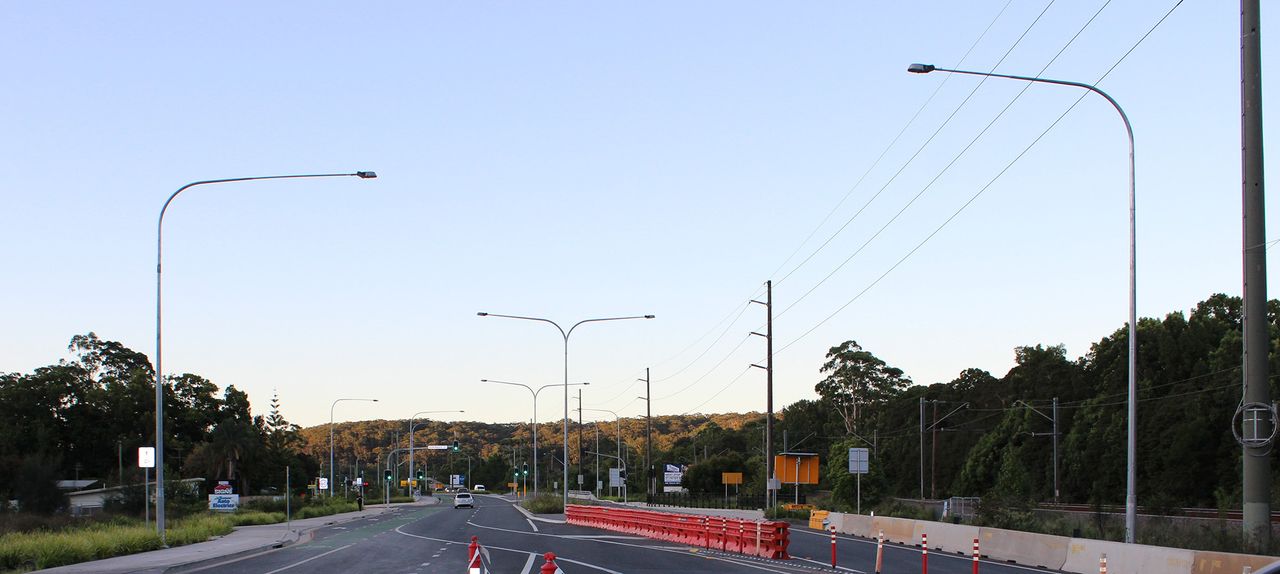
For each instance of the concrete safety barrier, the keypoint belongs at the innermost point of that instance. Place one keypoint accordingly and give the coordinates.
(896, 530)
(855, 524)
(954, 538)
(1083, 553)
(1228, 563)
(1024, 547)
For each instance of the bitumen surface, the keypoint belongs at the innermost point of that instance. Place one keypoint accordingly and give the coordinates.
(243, 541)
(426, 537)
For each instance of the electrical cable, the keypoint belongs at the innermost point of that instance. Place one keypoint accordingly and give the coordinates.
(980, 191)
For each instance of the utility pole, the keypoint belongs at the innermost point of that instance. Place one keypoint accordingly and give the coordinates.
(579, 434)
(1256, 406)
(933, 456)
(768, 417)
(648, 436)
(921, 448)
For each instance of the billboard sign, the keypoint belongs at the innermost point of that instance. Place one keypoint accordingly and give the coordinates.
(224, 502)
(672, 474)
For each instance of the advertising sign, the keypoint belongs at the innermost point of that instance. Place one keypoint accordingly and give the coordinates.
(672, 474)
(224, 502)
(223, 487)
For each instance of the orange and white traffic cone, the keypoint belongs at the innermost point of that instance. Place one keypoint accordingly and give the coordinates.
(474, 565)
(549, 567)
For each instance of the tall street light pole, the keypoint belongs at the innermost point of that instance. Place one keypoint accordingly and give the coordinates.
(616, 420)
(411, 425)
(565, 335)
(159, 355)
(1131, 497)
(335, 403)
(535, 419)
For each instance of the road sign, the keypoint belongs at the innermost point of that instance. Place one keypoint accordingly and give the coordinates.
(859, 461)
(146, 457)
(615, 478)
(796, 467)
(324, 483)
(731, 478)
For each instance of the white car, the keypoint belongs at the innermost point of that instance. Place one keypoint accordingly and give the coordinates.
(479, 488)
(464, 499)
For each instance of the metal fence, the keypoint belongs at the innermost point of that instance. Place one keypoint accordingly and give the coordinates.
(687, 500)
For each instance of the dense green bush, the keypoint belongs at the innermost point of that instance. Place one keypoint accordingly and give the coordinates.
(544, 504)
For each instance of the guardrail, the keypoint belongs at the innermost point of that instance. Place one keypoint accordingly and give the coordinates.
(767, 539)
(1078, 555)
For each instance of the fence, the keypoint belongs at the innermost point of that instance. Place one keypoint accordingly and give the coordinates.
(684, 500)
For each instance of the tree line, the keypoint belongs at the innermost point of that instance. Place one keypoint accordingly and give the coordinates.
(976, 435)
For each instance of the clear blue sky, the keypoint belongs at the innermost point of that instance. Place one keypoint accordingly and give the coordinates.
(586, 159)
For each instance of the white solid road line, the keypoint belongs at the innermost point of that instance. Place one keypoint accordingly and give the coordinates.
(532, 525)
(528, 565)
(301, 562)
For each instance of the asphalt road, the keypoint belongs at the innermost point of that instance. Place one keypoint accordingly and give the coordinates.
(420, 540)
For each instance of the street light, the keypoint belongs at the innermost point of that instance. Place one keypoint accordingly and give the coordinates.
(618, 421)
(565, 334)
(535, 418)
(159, 339)
(1131, 497)
(335, 403)
(411, 425)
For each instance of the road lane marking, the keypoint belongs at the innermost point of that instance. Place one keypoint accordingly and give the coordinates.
(531, 525)
(301, 562)
(528, 564)
(824, 564)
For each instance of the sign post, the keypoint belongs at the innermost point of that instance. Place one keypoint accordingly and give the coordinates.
(728, 478)
(859, 464)
(146, 461)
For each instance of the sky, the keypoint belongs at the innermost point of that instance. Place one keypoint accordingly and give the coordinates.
(578, 160)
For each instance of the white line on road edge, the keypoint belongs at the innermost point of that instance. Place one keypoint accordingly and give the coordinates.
(532, 525)
(916, 549)
(528, 565)
(824, 564)
(301, 562)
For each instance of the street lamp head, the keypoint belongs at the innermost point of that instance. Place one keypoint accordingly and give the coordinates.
(482, 314)
(366, 174)
(648, 316)
(920, 68)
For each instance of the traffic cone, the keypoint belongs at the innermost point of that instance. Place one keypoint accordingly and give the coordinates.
(549, 567)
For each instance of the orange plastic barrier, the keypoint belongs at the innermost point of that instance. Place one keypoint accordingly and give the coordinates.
(767, 539)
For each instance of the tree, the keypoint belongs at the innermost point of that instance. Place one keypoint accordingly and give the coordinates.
(857, 380)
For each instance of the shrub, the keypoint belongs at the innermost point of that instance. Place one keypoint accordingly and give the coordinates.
(544, 504)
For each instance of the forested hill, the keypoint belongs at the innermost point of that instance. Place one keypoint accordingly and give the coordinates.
(987, 435)
(367, 440)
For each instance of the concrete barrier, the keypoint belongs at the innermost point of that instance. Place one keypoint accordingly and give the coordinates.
(1083, 553)
(1226, 563)
(1025, 548)
(857, 525)
(899, 530)
(954, 538)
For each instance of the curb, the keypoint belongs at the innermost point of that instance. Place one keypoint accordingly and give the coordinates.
(530, 515)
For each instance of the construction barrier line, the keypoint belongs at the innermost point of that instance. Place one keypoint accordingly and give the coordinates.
(770, 537)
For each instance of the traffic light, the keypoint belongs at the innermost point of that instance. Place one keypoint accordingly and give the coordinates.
(622, 473)
(421, 474)
(455, 445)
(386, 475)
(526, 469)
